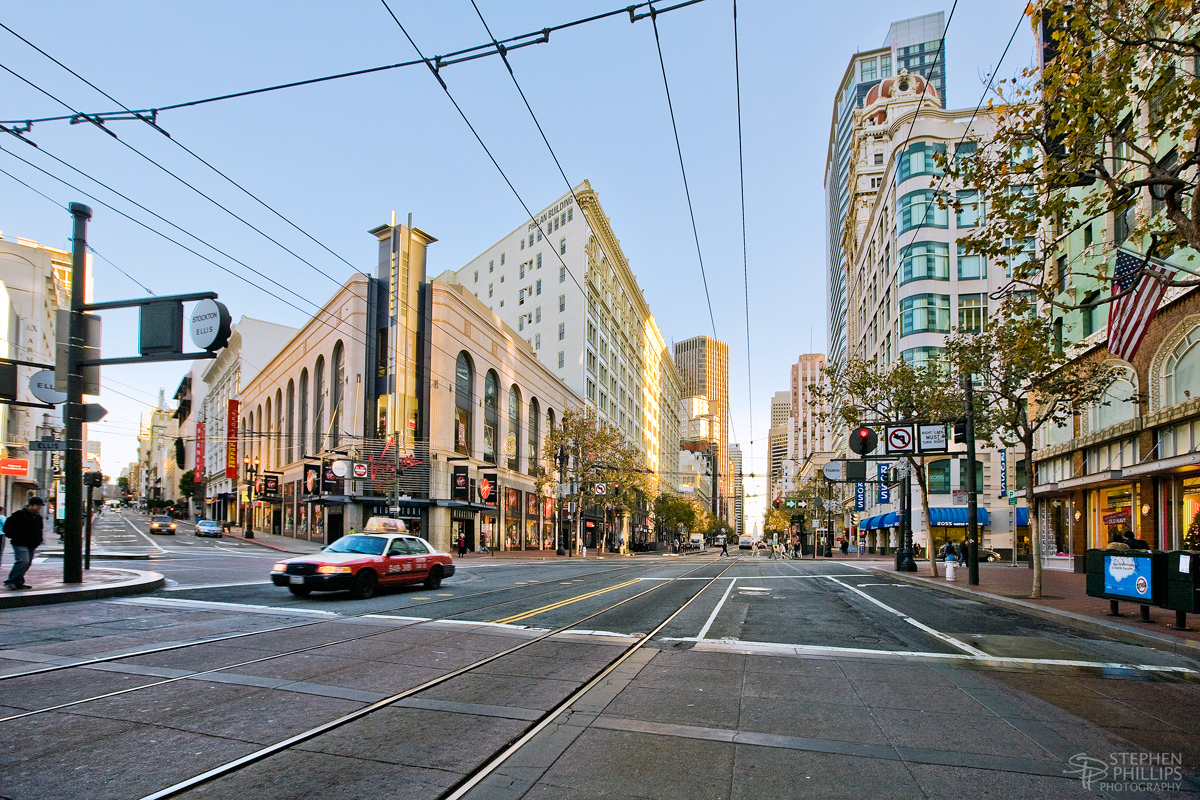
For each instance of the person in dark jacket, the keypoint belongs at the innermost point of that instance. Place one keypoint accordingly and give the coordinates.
(24, 532)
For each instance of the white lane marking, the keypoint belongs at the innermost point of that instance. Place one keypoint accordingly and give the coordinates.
(717, 610)
(215, 585)
(212, 604)
(945, 637)
(146, 536)
(738, 645)
(905, 585)
(755, 577)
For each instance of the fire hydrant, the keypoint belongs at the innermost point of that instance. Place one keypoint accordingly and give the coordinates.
(951, 568)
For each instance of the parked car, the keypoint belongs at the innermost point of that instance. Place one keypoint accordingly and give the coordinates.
(984, 555)
(362, 562)
(208, 527)
(163, 524)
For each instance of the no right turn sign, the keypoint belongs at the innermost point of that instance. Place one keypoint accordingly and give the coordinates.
(899, 439)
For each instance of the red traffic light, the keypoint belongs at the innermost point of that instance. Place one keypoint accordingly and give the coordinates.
(863, 440)
(775, 502)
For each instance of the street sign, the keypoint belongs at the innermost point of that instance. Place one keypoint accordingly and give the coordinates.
(42, 386)
(92, 412)
(47, 446)
(601, 488)
(832, 470)
(340, 468)
(789, 503)
(361, 470)
(1012, 497)
(932, 437)
(899, 439)
(210, 325)
(959, 497)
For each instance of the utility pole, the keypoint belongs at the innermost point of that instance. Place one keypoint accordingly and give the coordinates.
(73, 529)
(972, 498)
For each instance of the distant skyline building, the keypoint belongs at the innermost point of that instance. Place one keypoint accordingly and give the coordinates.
(703, 366)
(778, 438)
(911, 44)
(739, 491)
(811, 430)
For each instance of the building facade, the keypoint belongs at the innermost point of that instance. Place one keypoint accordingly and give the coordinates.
(779, 468)
(808, 411)
(911, 44)
(703, 366)
(563, 283)
(739, 491)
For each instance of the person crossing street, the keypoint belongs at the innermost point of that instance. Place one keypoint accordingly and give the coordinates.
(24, 532)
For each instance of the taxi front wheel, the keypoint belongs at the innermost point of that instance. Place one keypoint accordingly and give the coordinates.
(300, 591)
(365, 584)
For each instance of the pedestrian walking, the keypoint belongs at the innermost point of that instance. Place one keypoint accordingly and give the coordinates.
(724, 548)
(3, 519)
(24, 531)
(462, 545)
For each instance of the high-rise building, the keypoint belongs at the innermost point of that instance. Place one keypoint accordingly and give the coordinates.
(811, 429)
(703, 366)
(911, 44)
(562, 282)
(739, 492)
(777, 443)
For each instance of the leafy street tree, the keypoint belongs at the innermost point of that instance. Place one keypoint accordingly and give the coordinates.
(187, 483)
(674, 512)
(870, 393)
(1023, 382)
(1109, 126)
(596, 453)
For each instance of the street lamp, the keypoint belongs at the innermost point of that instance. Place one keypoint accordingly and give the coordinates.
(251, 473)
(561, 461)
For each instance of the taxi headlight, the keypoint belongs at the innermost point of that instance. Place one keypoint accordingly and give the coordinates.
(280, 567)
(330, 569)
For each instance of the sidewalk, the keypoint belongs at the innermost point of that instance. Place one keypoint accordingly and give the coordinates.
(98, 582)
(1064, 599)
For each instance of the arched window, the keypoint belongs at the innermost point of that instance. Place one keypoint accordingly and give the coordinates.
(1118, 404)
(1181, 373)
(302, 438)
(319, 405)
(962, 475)
(464, 390)
(269, 437)
(491, 422)
(290, 436)
(337, 383)
(549, 420)
(939, 476)
(512, 444)
(277, 448)
(258, 438)
(534, 442)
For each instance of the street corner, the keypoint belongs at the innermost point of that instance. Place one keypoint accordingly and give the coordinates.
(48, 587)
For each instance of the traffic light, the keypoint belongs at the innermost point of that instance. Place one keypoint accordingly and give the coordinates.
(95, 479)
(863, 440)
(960, 431)
(616, 490)
(776, 502)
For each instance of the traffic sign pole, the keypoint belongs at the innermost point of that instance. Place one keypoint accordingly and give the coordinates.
(73, 523)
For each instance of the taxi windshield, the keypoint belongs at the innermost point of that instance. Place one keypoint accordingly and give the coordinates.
(367, 545)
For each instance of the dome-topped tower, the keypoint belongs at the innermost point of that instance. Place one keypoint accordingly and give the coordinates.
(903, 85)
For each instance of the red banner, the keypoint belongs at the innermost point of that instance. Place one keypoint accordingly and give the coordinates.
(199, 468)
(14, 466)
(231, 442)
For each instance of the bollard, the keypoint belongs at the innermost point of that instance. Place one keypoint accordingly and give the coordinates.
(951, 569)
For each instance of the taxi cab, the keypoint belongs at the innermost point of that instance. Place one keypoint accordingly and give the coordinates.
(384, 554)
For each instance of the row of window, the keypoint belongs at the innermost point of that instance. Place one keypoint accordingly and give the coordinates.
(930, 313)
(271, 427)
(552, 224)
(931, 261)
(464, 419)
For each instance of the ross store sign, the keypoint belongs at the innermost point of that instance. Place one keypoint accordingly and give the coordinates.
(885, 491)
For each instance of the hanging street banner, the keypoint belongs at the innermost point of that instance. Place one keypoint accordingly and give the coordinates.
(231, 442)
(1003, 472)
(198, 473)
(885, 491)
(860, 497)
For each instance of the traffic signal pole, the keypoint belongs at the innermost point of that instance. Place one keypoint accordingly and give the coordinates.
(73, 529)
(972, 497)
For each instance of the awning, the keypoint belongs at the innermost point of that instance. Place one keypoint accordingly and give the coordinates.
(867, 524)
(954, 517)
(1022, 517)
(890, 519)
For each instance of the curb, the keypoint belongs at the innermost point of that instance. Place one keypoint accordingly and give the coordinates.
(1113, 630)
(262, 544)
(102, 556)
(141, 583)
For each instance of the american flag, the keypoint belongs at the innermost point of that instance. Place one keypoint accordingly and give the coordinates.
(1131, 313)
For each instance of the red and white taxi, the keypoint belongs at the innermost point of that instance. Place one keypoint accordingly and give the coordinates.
(384, 554)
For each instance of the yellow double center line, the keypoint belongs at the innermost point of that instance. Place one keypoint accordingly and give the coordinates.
(561, 603)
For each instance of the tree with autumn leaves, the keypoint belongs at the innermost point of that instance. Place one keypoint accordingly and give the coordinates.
(596, 453)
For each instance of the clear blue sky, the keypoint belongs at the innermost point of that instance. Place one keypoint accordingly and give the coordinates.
(338, 157)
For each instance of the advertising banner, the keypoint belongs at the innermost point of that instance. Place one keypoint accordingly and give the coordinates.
(531, 505)
(1127, 576)
(512, 503)
(460, 485)
(270, 485)
(198, 470)
(1004, 471)
(489, 492)
(547, 507)
(312, 480)
(860, 497)
(231, 442)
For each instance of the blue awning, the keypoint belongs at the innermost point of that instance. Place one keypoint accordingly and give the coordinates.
(867, 524)
(954, 517)
(890, 519)
(1022, 517)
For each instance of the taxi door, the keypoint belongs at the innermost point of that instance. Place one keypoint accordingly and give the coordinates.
(421, 559)
(397, 562)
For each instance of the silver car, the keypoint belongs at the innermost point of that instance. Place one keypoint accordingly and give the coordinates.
(208, 527)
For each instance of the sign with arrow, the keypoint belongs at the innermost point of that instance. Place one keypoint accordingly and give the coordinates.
(92, 412)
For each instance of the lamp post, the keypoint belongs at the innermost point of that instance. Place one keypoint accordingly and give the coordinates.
(561, 461)
(250, 466)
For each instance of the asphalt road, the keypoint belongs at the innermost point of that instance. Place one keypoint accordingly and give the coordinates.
(740, 677)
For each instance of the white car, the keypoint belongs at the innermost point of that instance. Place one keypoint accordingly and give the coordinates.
(208, 527)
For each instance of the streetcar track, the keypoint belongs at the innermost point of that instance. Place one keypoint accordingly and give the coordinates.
(278, 628)
(489, 764)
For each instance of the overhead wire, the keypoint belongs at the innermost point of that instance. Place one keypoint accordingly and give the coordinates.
(540, 36)
(737, 75)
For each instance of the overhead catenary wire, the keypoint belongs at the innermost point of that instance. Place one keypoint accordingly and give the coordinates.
(540, 36)
(737, 75)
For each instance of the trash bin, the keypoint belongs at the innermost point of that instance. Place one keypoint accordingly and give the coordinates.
(1183, 584)
(951, 568)
(1135, 576)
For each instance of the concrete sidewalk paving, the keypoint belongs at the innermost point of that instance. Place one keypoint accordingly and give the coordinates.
(1064, 599)
(46, 580)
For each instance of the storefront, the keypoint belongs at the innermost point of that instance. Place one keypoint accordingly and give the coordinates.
(1110, 513)
(949, 525)
(513, 538)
